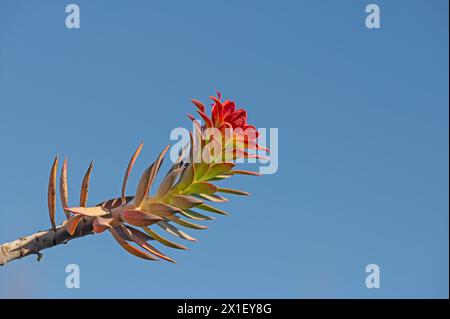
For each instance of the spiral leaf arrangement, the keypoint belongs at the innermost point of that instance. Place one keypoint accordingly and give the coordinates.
(186, 194)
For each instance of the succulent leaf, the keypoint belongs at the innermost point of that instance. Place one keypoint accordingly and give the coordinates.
(52, 193)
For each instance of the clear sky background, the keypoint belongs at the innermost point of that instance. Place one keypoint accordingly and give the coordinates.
(363, 141)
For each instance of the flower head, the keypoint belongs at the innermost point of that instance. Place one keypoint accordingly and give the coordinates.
(225, 115)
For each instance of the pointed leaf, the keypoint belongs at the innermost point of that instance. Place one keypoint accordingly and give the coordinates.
(201, 188)
(167, 183)
(186, 223)
(233, 191)
(199, 105)
(195, 215)
(142, 188)
(186, 178)
(52, 193)
(202, 166)
(157, 166)
(148, 177)
(192, 148)
(89, 211)
(85, 186)
(63, 192)
(160, 209)
(208, 122)
(212, 209)
(213, 198)
(139, 218)
(101, 224)
(217, 169)
(131, 249)
(138, 233)
(238, 153)
(241, 172)
(174, 231)
(147, 246)
(220, 177)
(115, 202)
(72, 223)
(129, 168)
(162, 240)
(185, 202)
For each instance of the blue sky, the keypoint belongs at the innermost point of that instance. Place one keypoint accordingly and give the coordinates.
(363, 141)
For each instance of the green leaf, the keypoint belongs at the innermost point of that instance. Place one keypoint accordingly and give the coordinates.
(220, 177)
(200, 169)
(232, 191)
(213, 198)
(184, 201)
(186, 178)
(174, 231)
(211, 209)
(194, 215)
(217, 169)
(186, 223)
(201, 188)
(146, 245)
(241, 172)
(163, 240)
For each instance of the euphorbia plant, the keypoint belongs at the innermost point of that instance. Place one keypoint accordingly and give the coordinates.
(187, 192)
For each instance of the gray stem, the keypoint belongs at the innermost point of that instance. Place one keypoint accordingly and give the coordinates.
(39, 241)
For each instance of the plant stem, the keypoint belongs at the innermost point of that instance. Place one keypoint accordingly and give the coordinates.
(41, 240)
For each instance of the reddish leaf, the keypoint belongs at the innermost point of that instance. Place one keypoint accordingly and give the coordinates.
(89, 211)
(72, 223)
(85, 186)
(160, 209)
(163, 240)
(195, 215)
(232, 191)
(241, 172)
(52, 193)
(138, 233)
(128, 171)
(141, 191)
(131, 249)
(63, 192)
(186, 223)
(167, 183)
(198, 104)
(174, 231)
(185, 202)
(140, 219)
(205, 117)
(101, 224)
(148, 247)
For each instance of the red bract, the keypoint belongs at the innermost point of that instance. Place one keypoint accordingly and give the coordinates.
(225, 115)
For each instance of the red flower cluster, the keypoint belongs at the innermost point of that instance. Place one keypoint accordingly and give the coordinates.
(224, 115)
